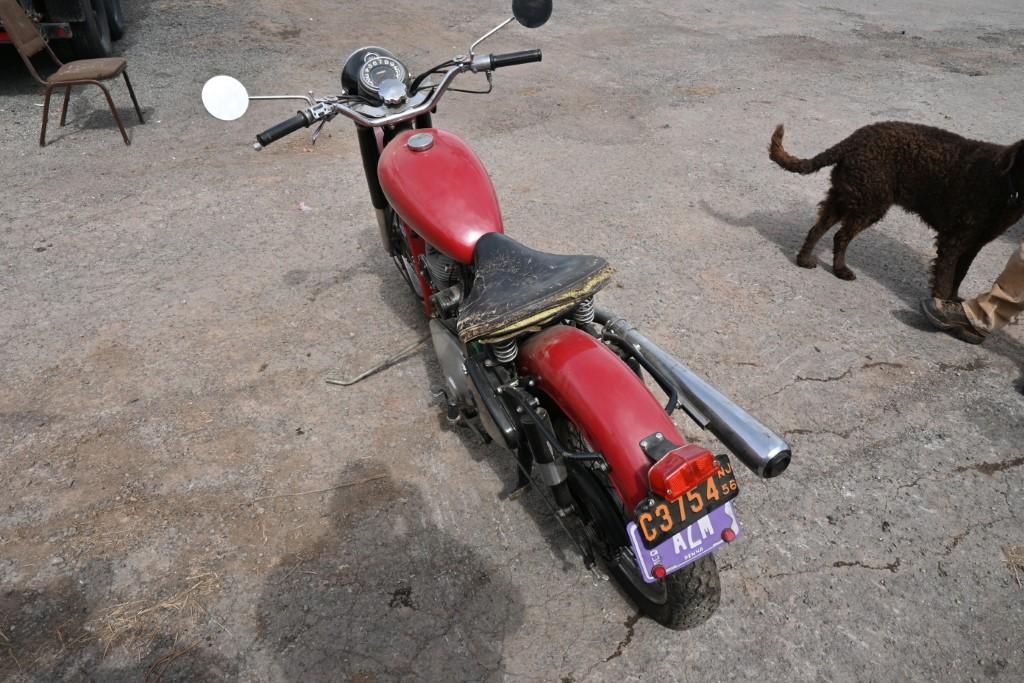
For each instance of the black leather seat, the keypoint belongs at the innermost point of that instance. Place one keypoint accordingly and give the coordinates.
(516, 288)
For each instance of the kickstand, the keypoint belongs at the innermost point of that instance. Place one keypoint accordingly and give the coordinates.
(380, 366)
(525, 461)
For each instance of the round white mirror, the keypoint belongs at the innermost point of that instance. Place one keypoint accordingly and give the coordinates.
(225, 98)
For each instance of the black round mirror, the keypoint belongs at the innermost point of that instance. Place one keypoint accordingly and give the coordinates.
(532, 13)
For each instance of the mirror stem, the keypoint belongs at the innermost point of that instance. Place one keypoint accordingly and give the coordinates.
(489, 34)
(308, 99)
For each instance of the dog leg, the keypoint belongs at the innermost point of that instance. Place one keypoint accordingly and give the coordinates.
(944, 282)
(963, 264)
(851, 228)
(828, 215)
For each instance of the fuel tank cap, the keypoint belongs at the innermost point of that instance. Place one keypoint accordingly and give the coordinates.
(420, 142)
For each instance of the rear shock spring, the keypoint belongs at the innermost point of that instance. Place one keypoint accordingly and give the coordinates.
(584, 313)
(505, 351)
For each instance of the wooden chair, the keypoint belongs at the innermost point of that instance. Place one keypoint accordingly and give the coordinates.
(29, 42)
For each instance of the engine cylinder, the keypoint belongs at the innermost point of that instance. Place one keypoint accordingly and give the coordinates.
(441, 268)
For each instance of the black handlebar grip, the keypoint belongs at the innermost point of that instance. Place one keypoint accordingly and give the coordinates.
(513, 58)
(284, 128)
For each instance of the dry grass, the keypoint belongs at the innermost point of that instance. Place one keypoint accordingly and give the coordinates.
(157, 669)
(135, 625)
(130, 622)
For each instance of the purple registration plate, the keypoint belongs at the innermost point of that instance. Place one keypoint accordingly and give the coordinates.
(700, 538)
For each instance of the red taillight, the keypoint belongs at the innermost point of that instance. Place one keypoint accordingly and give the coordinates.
(660, 572)
(681, 470)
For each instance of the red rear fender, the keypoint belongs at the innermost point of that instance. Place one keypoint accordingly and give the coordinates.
(606, 401)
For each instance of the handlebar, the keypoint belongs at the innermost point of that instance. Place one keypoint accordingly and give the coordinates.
(417, 104)
(300, 120)
(514, 58)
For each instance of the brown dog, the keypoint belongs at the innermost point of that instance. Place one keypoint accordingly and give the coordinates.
(968, 192)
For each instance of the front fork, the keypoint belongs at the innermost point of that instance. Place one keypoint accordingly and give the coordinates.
(385, 231)
(371, 143)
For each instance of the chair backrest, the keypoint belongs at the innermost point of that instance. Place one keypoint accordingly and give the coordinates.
(26, 38)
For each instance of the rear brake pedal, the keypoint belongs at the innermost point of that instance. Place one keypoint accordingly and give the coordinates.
(522, 486)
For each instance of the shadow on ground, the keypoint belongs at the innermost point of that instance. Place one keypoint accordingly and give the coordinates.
(405, 305)
(386, 594)
(94, 116)
(14, 77)
(49, 634)
(873, 254)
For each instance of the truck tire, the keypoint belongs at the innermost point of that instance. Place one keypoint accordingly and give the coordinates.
(115, 17)
(91, 38)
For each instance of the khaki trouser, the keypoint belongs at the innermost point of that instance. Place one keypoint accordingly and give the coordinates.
(1004, 301)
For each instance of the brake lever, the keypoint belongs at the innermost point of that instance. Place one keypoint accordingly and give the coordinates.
(316, 133)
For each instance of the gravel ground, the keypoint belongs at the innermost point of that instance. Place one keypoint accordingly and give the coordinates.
(184, 498)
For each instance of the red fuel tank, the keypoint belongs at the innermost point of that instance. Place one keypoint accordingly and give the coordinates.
(440, 189)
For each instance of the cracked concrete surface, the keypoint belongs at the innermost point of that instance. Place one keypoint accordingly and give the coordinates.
(170, 311)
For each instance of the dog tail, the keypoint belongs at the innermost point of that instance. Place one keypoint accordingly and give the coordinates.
(794, 165)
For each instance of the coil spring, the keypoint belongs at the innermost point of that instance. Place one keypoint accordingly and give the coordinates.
(584, 313)
(506, 351)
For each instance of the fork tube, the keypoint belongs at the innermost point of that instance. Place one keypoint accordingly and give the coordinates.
(392, 132)
(371, 157)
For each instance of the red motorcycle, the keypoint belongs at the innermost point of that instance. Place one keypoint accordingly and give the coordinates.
(527, 358)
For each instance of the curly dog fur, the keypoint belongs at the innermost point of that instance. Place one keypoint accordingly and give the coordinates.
(969, 192)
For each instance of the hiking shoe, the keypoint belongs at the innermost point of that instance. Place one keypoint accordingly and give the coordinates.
(949, 316)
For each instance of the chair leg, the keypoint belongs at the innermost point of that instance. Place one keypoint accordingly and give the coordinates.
(138, 109)
(64, 110)
(46, 115)
(113, 110)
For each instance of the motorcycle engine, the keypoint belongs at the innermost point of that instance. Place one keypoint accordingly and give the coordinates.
(442, 269)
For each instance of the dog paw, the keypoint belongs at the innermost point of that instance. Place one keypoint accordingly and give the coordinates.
(845, 273)
(806, 261)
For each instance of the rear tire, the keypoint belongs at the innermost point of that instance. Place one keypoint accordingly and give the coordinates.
(91, 38)
(115, 17)
(682, 600)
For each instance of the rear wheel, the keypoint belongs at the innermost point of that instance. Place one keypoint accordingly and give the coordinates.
(115, 17)
(682, 600)
(91, 37)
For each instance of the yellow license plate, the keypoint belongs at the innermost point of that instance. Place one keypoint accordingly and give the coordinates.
(659, 519)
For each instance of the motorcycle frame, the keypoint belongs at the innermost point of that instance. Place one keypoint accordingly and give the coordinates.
(576, 383)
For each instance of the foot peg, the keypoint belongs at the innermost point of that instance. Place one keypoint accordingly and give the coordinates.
(452, 412)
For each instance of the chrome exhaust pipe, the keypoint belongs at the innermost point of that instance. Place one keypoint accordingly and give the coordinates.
(756, 446)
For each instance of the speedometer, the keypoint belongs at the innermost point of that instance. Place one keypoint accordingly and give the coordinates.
(379, 68)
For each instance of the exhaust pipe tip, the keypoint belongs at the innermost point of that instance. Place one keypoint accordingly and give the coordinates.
(777, 465)
(756, 446)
